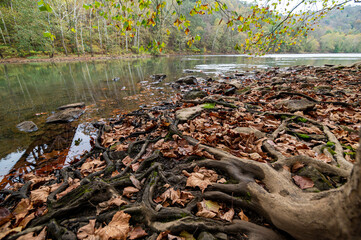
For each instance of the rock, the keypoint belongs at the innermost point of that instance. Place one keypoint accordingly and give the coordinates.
(72, 105)
(221, 236)
(320, 181)
(66, 115)
(296, 105)
(236, 83)
(189, 80)
(246, 130)
(329, 65)
(206, 236)
(284, 75)
(339, 67)
(27, 126)
(187, 113)
(357, 65)
(158, 77)
(193, 94)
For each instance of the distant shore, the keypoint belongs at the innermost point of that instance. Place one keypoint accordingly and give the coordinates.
(70, 58)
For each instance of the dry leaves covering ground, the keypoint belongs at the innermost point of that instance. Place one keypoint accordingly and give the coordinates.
(254, 158)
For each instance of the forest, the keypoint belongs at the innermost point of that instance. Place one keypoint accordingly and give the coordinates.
(71, 29)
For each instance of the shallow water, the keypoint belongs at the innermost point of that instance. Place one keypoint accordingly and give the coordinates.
(33, 91)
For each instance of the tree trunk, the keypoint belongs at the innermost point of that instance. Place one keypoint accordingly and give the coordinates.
(62, 39)
(90, 33)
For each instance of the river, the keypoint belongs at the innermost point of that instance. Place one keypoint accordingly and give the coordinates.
(33, 91)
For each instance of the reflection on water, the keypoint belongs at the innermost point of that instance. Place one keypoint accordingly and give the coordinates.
(33, 91)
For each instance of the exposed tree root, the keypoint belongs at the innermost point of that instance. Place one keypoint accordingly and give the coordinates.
(157, 153)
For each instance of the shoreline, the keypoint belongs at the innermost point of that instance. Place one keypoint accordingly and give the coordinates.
(87, 57)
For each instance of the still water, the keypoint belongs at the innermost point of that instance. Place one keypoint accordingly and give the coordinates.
(33, 91)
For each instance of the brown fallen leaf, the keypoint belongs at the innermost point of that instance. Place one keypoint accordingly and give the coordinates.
(127, 160)
(22, 209)
(128, 191)
(87, 231)
(135, 182)
(26, 220)
(30, 236)
(297, 166)
(72, 185)
(177, 196)
(7, 231)
(39, 196)
(115, 201)
(137, 232)
(243, 216)
(5, 215)
(201, 177)
(118, 228)
(207, 209)
(303, 182)
(228, 216)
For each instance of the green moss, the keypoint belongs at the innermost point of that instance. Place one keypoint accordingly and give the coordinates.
(331, 151)
(209, 105)
(304, 136)
(301, 119)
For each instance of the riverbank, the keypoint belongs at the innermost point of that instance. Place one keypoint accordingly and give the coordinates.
(236, 157)
(72, 58)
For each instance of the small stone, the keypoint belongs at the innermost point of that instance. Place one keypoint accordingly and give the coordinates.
(158, 207)
(27, 126)
(221, 236)
(296, 105)
(187, 113)
(158, 77)
(66, 115)
(206, 236)
(72, 105)
(189, 80)
(245, 130)
(193, 94)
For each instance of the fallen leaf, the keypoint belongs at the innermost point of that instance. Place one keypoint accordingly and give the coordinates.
(30, 236)
(177, 196)
(7, 232)
(137, 232)
(243, 216)
(207, 209)
(26, 220)
(228, 216)
(118, 228)
(5, 215)
(201, 177)
(22, 209)
(297, 166)
(128, 191)
(87, 231)
(135, 182)
(39, 196)
(303, 182)
(115, 201)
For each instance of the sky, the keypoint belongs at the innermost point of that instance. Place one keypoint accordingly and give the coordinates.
(284, 8)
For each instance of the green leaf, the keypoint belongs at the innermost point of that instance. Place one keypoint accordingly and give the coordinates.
(209, 105)
(44, 7)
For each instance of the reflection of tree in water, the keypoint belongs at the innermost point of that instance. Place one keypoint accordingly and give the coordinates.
(46, 153)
